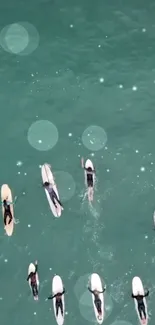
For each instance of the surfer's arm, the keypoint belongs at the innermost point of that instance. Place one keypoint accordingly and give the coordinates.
(102, 290)
(132, 296)
(82, 162)
(51, 297)
(146, 293)
(90, 290)
(36, 268)
(29, 276)
(63, 291)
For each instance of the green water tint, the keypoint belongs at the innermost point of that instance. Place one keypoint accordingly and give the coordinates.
(86, 69)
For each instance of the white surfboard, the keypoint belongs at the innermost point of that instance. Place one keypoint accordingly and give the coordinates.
(137, 287)
(96, 284)
(31, 268)
(57, 287)
(47, 176)
(6, 194)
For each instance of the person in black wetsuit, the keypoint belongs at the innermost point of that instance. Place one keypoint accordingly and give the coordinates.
(32, 277)
(90, 172)
(141, 306)
(58, 301)
(97, 300)
(7, 211)
(52, 194)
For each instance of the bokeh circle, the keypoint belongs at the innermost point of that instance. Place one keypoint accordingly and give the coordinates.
(94, 138)
(42, 135)
(66, 185)
(19, 38)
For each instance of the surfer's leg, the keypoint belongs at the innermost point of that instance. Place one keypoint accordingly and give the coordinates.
(59, 202)
(5, 217)
(57, 307)
(61, 307)
(140, 311)
(98, 305)
(53, 200)
(143, 310)
(34, 290)
(10, 218)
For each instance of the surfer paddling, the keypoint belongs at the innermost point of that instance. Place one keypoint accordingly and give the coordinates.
(7, 211)
(58, 301)
(141, 306)
(90, 179)
(52, 194)
(33, 283)
(97, 300)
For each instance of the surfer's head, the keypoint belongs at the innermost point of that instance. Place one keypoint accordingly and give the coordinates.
(95, 292)
(46, 183)
(4, 202)
(89, 169)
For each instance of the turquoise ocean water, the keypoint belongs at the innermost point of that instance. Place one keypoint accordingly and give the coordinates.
(77, 78)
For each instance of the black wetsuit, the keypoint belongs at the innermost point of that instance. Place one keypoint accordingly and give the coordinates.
(32, 277)
(90, 173)
(141, 306)
(97, 300)
(58, 302)
(53, 195)
(7, 212)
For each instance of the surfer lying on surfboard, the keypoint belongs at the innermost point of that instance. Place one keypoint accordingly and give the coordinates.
(58, 301)
(52, 194)
(7, 211)
(90, 182)
(32, 277)
(97, 300)
(141, 306)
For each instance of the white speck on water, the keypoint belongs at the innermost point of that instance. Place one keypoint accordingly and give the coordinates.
(6, 260)
(39, 141)
(1, 298)
(19, 163)
(91, 142)
(25, 174)
(71, 26)
(99, 45)
(23, 193)
(66, 313)
(29, 226)
(35, 313)
(108, 170)
(137, 176)
(70, 134)
(40, 166)
(106, 148)
(136, 151)
(32, 75)
(92, 154)
(50, 269)
(143, 30)
(142, 169)
(146, 237)
(101, 80)
(18, 173)
(120, 86)
(37, 116)
(151, 163)
(134, 88)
